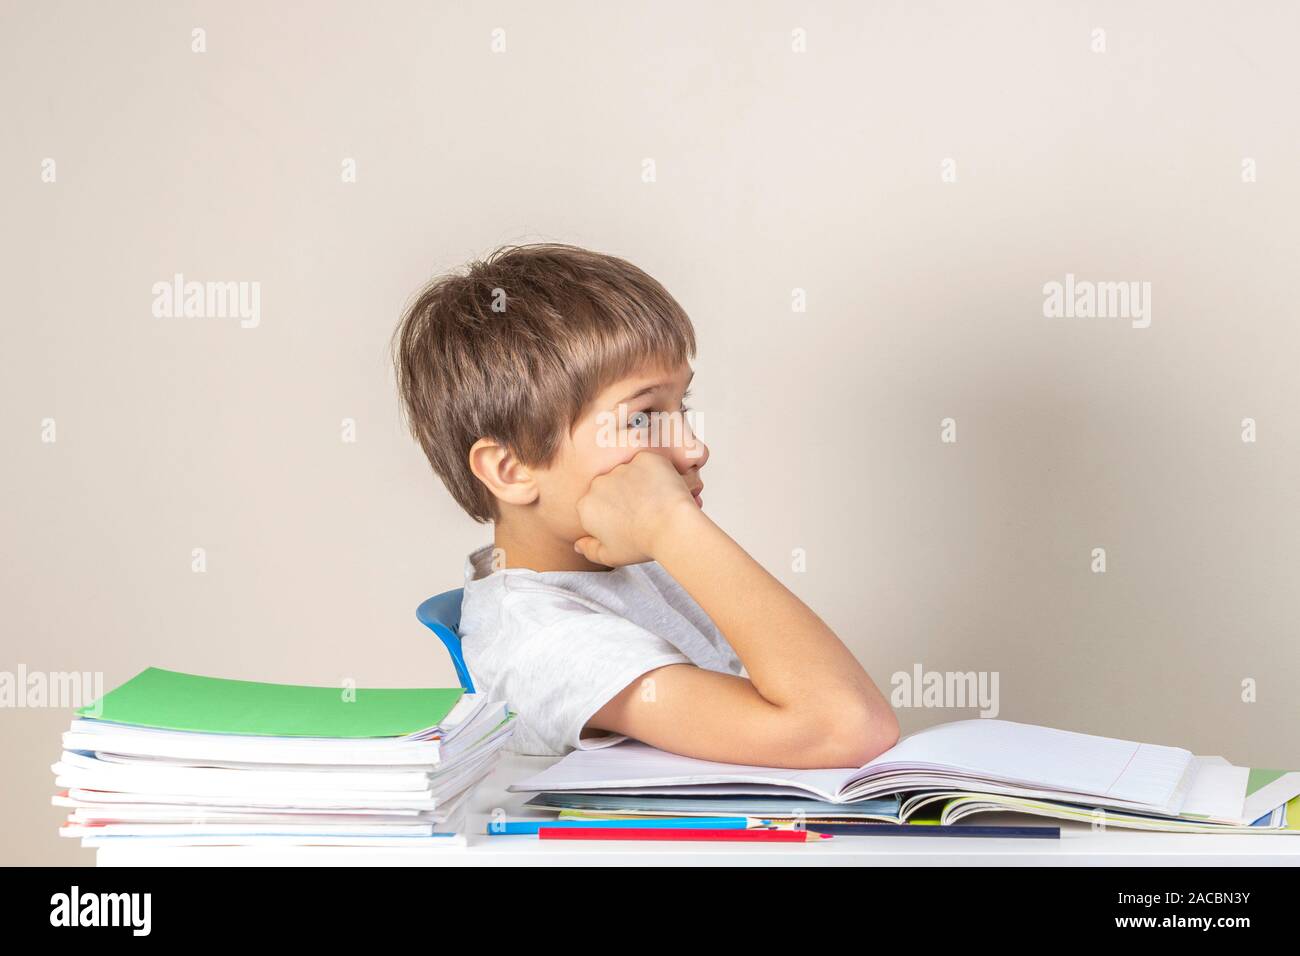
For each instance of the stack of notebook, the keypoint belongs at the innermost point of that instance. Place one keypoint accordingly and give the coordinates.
(940, 775)
(172, 759)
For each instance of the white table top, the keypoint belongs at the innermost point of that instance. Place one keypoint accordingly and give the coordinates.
(1079, 845)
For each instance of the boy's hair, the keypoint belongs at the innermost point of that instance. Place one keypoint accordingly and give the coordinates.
(516, 349)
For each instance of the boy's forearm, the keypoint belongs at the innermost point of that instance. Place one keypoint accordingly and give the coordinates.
(792, 657)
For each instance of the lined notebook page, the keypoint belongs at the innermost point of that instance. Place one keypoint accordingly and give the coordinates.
(1046, 758)
(634, 764)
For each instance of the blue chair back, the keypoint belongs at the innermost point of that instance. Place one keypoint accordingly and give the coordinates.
(441, 614)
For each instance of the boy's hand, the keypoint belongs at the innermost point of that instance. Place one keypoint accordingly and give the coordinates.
(625, 510)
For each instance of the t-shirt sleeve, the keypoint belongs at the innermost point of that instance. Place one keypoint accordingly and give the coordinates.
(557, 675)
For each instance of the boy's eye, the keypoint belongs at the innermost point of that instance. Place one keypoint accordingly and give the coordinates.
(639, 420)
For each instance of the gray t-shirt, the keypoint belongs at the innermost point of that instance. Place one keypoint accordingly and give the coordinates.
(557, 645)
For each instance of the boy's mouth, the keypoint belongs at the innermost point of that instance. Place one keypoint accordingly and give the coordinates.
(695, 493)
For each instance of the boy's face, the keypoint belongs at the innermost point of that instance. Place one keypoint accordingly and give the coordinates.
(642, 412)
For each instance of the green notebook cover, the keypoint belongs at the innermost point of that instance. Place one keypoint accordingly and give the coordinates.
(170, 700)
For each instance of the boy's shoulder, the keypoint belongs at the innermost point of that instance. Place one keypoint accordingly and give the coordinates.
(515, 605)
(557, 645)
(498, 598)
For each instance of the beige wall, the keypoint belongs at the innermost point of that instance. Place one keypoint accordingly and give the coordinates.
(776, 171)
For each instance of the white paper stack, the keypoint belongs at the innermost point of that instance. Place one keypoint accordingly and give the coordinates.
(153, 781)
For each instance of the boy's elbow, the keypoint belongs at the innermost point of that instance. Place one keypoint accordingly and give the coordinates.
(885, 733)
(865, 736)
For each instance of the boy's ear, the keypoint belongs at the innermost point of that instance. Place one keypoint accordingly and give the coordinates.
(505, 476)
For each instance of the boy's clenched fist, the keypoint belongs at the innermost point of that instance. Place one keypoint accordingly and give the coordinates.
(626, 511)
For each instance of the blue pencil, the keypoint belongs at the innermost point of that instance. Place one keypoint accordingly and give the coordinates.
(517, 827)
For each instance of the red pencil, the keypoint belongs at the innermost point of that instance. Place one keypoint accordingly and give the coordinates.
(665, 833)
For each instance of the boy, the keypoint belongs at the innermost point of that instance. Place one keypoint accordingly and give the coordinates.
(609, 605)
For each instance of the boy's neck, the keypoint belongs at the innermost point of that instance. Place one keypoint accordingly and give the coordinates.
(537, 551)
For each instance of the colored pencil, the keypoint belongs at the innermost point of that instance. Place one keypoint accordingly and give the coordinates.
(927, 830)
(844, 827)
(670, 834)
(516, 827)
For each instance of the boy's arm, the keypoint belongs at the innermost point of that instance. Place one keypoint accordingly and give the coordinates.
(807, 701)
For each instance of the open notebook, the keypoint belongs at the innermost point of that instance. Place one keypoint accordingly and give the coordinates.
(1000, 761)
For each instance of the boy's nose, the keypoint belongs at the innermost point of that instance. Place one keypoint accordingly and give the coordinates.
(689, 453)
